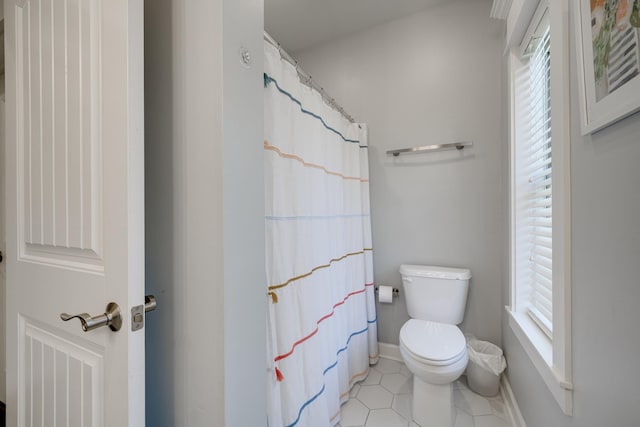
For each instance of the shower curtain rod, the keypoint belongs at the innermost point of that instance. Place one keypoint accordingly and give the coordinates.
(307, 79)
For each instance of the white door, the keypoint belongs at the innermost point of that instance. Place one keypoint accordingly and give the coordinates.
(75, 220)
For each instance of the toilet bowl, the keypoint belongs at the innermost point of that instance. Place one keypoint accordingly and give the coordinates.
(435, 352)
(431, 345)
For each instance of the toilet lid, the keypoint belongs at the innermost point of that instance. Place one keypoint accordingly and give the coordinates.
(432, 340)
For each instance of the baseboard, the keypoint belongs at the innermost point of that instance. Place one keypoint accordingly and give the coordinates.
(513, 411)
(389, 351)
(3, 415)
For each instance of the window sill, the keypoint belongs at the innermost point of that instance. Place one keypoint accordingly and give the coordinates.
(540, 351)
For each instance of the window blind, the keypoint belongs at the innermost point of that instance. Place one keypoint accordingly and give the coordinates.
(534, 167)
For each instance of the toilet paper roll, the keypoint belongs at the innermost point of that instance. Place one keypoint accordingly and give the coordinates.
(385, 294)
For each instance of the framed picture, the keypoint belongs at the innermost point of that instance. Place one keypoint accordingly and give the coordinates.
(608, 51)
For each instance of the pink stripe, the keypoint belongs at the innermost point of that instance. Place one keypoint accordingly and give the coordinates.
(323, 318)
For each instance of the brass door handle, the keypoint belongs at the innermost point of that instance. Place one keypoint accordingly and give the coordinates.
(110, 318)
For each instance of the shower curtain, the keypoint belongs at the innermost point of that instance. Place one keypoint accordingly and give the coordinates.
(322, 332)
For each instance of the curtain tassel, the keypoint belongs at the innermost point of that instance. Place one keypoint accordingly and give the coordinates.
(267, 79)
(274, 297)
(279, 375)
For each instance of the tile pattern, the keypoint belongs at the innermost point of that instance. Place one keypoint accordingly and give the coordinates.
(383, 399)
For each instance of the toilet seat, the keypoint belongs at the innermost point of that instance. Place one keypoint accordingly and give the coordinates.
(433, 343)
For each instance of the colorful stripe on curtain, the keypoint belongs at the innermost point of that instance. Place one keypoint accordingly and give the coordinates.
(322, 330)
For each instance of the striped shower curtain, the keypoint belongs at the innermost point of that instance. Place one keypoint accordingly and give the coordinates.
(322, 332)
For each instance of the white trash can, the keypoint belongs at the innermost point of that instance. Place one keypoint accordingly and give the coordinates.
(486, 363)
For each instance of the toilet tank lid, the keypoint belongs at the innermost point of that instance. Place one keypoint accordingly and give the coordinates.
(435, 272)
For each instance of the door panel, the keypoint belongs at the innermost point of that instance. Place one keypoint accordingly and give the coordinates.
(75, 210)
(63, 378)
(59, 154)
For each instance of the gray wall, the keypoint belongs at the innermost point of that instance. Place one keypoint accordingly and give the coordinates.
(3, 313)
(3, 383)
(245, 299)
(433, 77)
(204, 214)
(605, 180)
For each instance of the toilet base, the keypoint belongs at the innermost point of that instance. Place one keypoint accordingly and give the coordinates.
(432, 404)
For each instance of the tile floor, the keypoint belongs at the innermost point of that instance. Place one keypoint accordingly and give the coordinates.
(383, 399)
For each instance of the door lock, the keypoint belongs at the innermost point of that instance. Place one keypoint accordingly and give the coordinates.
(137, 312)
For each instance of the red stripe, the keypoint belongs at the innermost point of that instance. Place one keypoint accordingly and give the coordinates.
(323, 318)
(295, 344)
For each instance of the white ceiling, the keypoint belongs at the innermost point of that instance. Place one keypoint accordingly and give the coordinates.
(300, 24)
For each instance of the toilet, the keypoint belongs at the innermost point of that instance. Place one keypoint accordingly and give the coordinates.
(431, 344)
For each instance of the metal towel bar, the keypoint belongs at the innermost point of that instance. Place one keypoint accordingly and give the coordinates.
(434, 147)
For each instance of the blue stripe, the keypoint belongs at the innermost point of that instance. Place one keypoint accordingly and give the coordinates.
(372, 321)
(305, 405)
(333, 365)
(312, 217)
(268, 79)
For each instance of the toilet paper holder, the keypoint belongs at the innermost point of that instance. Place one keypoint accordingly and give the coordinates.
(395, 291)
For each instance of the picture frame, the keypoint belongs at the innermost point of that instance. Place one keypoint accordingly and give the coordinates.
(608, 60)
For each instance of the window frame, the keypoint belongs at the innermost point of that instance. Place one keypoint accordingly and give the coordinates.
(550, 356)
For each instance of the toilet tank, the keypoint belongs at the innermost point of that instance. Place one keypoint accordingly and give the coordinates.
(435, 293)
